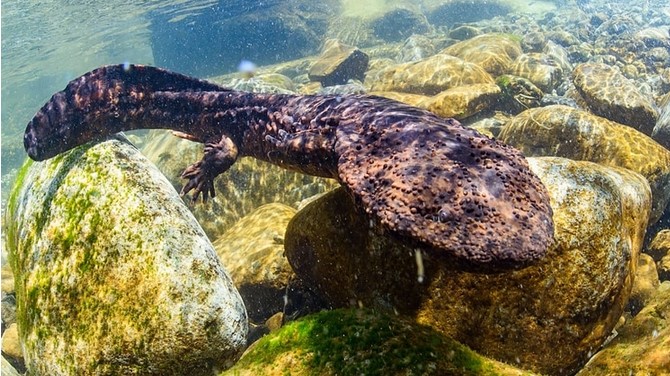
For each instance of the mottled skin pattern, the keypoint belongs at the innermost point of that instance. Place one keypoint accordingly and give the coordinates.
(423, 178)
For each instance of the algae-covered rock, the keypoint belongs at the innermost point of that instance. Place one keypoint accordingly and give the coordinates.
(645, 283)
(540, 69)
(571, 133)
(493, 52)
(113, 273)
(611, 95)
(459, 102)
(248, 184)
(462, 101)
(642, 346)
(518, 93)
(363, 342)
(429, 76)
(549, 317)
(253, 252)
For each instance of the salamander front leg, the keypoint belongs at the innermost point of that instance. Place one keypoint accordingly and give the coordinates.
(217, 159)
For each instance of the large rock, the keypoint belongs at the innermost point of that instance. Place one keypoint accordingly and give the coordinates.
(459, 102)
(540, 69)
(363, 342)
(339, 63)
(253, 252)
(661, 131)
(114, 274)
(429, 76)
(549, 317)
(611, 95)
(493, 52)
(641, 347)
(462, 101)
(571, 133)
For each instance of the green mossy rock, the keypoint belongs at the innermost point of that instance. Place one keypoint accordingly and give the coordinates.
(113, 273)
(362, 342)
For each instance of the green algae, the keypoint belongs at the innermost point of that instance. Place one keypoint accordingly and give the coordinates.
(358, 341)
(503, 81)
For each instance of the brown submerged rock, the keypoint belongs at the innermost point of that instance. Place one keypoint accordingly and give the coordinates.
(459, 102)
(645, 283)
(611, 95)
(463, 101)
(429, 76)
(660, 245)
(540, 69)
(548, 317)
(253, 252)
(571, 133)
(408, 98)
(642, 347)
(338, 64)
(493, 52)
(659, 249)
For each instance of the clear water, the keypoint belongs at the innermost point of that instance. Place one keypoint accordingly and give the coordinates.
(47, 43)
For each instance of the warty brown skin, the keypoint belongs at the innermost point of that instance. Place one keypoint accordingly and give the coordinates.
(425, 179)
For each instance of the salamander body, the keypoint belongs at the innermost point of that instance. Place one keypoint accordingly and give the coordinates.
(423, 178)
